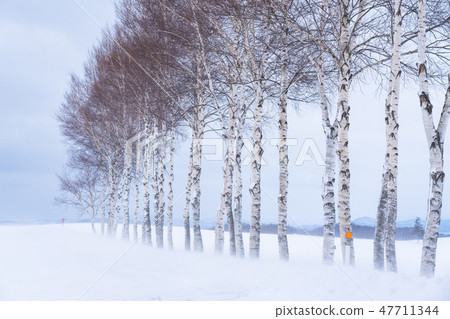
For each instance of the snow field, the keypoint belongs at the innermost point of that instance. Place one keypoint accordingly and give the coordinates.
(50, 262)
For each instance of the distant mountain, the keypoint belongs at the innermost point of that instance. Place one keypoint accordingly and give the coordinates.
(365, 221)
(371, 222)
(363, 226)
(409, 223)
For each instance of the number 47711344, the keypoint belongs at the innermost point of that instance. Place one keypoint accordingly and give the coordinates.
(409, 310)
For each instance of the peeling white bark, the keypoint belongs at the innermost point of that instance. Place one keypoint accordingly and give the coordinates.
(329, 205)
(255, 182)
(158, 185)
(126, 178)
(230, 159)
(219, 230)
(137, 189)
(380, 228)
(257, 63)
(435, 140)
(345, 224)
(170, 192)
(240, 252)
(104, 202)
(283, 248)
(146, 221)
(187, 226)
(161, 191)
(112, 183)
(392, 140)
(226, 204)
(199, 128)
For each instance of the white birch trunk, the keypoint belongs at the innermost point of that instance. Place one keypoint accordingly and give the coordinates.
(137, 190)
(345, 224)
(255, 183)
(219, 229)
(331, 135)
(283, 148)
(380, 227)
(199, 127)
(104, 202)
(226, 204)
(119, 195)
(186, 216)
(258, 70)
(238, 190)
(156, 185)
(329, 178)
(126, 178)
(112, 198)
(146, 221)
(329, 205)
(170, 192)
(435, 141)
(392, 140)
(159, 222)
(436, 148)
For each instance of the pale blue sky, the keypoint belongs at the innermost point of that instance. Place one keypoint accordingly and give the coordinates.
(41, 42)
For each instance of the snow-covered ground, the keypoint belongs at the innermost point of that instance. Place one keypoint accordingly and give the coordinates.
(50, 262)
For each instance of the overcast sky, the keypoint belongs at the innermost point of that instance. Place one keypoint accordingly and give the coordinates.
(42, 42)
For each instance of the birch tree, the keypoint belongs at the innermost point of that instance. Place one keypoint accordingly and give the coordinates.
(137, 179)
(435, 141)
(348, 39)
(186, 215)
(126, 190)
(282, 147)
(81, 191)
(256, 38)
(387, 213)
(330, 130)
(146, 221)
(170, 191)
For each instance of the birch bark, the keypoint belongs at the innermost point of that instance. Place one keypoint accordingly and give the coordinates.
(119, 195)
(380, 228)
(255, 183)
(170, 192)
(104, 202)
(126, 190)
(199, 128)
(146, 221)
(226, 204)
(435, 140)
(112, 181)
(137, 189)
(257, 63)
(331, 135)
(345, 224)
(283, 147)
(229, 168)
(159, 167)
(219, 229)
(238, 188)
(392, 140)
(187, 226)
(162, 171)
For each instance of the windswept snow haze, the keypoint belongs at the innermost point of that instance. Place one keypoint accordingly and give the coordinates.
(64, 263)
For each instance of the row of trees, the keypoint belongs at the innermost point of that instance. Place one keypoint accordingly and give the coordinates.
(171, 70)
